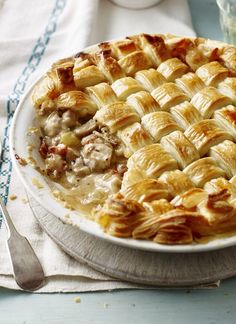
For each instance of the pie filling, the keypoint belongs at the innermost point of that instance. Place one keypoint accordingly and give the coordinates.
(141, 133)
(81, 156)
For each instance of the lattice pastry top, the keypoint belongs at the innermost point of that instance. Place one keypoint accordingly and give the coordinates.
(142, 131)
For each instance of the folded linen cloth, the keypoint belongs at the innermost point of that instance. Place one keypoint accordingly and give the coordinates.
(31, 39)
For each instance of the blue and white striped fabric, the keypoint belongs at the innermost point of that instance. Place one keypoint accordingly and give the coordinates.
(33, 35)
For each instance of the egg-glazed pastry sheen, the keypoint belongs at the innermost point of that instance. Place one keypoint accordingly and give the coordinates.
(183, 151)
(133, 138)
(226, 119)
(168, 95)
(185, 114)
(227, 88)
(116, 116)
(159, 124)
(205, 134)
(150, 79)
(190, 83)
(102, 94)
(152, 161)
(209, 100)
(143, 103)
(212, 73)
(141, 132)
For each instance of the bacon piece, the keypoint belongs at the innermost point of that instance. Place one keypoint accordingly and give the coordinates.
(65, 74)
(43, 149)
(180, 49)
(59, 149)
(215, 55)
(20, 160)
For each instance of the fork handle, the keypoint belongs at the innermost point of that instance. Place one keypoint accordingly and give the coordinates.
(27, 269)
(9, 224)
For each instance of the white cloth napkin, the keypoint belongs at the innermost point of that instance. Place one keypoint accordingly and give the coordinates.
(33, 35)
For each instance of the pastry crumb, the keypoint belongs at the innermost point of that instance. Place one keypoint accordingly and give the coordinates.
(57, 194)
(67, 215)
(30, 147)
(20, 160)
(13, 197)
(31, 161)
(78, 300)
(105, 305)
(24, 200)
(67, 205)
(37, 183)
(32, 130)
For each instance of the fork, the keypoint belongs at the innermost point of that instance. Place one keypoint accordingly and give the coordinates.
(27, 270)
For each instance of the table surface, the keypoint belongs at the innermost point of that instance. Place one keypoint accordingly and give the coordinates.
(133, 306)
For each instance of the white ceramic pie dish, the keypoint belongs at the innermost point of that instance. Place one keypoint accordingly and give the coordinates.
(24, 118)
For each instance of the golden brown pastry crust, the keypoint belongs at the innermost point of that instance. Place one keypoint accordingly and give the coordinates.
(168, 95)
(203, 170)
(208, 100)
(205, 134)
(154, 46)
(226, 119)
(134, 62)
(172, 69)
(125, 87)
(146, 191)
(122, 48)
(218, 185)
(102, 94)
(150, 79)
(177, 182)
(88, 76)
(116, 114)
(109, 66)
(185, 114)
(225, 155)
(50, 87)
(152, 161)
(212, 73)
(182, 150)
(143, 103)
(159, 124)
(77, 101)
(227, 88)
(190, 83)
(133, 138)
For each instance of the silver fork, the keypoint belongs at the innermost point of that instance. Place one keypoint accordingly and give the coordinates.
(27, 269)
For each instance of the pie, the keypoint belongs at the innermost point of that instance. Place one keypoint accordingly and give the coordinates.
(141, 133)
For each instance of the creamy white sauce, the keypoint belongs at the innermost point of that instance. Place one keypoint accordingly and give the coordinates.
(93, 189)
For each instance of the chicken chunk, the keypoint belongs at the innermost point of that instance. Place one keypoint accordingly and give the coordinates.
(55, 166)
(79, 168)
(97, 156)
(69, 119)
(86, 128)
(52, 124)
